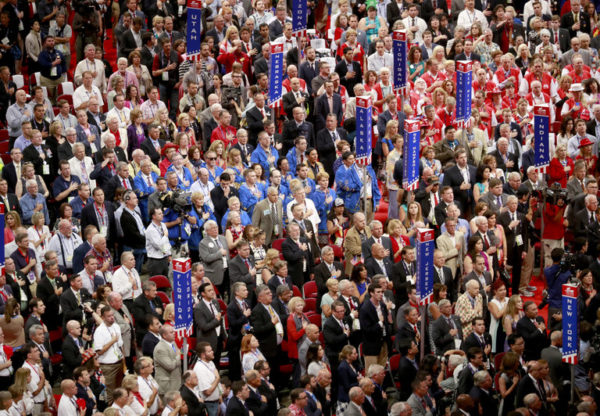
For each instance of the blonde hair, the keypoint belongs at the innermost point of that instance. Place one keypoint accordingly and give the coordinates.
(294, 302)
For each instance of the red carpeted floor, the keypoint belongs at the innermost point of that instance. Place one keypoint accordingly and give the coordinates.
(537, 281)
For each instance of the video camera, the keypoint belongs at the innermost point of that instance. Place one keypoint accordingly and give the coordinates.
(552, 194)
(177, 200)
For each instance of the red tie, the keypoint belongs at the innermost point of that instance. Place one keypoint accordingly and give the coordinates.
(435, 199)
(247, 263)
(3, 295)
(124, 184)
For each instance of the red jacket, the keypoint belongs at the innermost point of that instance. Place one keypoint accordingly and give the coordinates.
(556, 172)
(294, 335)
(553, 222)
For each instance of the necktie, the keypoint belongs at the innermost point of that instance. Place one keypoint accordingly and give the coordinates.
(542, 389)
(152, 306)
(592, 218)
(149, 180)
(84, 176)
(487, 242)
(78, 296)
(413, 23)
(435, 198)
(247, 263)
(124, 184)
(499, 200)
(134, 280)
(3, 295)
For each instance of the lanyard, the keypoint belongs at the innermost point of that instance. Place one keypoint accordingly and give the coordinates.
(101, 213)
(25, 255)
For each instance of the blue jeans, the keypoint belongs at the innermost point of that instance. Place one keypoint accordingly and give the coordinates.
(213, 408)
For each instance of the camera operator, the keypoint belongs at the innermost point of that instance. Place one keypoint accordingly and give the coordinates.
(177, 206)
(553, 235)
(556, 275)
(86, 24)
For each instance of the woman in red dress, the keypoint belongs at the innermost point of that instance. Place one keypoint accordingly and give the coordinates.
(561, 167)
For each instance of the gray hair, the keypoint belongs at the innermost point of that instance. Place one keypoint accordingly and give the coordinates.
(375, 222)
(271, 190)
(480, 219)
(30, 182)
(516, 175)
(472, 283)
(171, 396)
(530, 399)
(588, 197)
(480, 377)
(512, 198)
(398, 408)
(77, 146)
(444, 302)
(260, 289)
(326, 250)
(33, 329)
(354, 392)
(97, 238)
(343, 284)
(71, 130)
(210, 224)
(374, 369)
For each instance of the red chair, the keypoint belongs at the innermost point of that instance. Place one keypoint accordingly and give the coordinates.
(498, 359)
(4, 147)
(394, 365)
(338, 252)
(4, 135)
(56, 110)
(161, 282)
(68, 98)
(163, 297)
(315, 319)
(310, 305)
(277, 244)
(296, 291)
(309, 289)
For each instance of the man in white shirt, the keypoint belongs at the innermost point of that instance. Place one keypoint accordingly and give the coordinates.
(147, 385)
(68, 402)
(126, 281)
(151, 106)
(204, 186)
(208, 377)
(64, 242)
(95, 66)
(380, 59)
(38, 382)
(158, 247)
(82, 94)
(120, 111)
(108, 344)
(470, 15)
(415, 24)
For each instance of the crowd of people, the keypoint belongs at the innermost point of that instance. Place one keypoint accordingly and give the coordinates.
(303, 263)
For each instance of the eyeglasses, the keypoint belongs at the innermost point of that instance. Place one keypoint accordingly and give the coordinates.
(211, 158)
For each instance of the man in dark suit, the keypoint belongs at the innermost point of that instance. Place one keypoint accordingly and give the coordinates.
(328, 103)
(349, 71)
(89, 215)
(482, 392)
(297, 127)
(280, 277)
(9, 171)
(309, 68)
(120, 180)
(127, 43)
(468, 54)
(376, 330)
(378, 262)
(431, 7)
(336, 333)
(481, 276)
(408, 366)
(297, 252)
(326, 142)
(560, 36)
(403, 274)
(210, 325)
(245, 148)
(465, 377)
(327, 268)
(530, 384)
(238, 314)
(461, 177)
(146, 304)
(502, 153)
(50, 296)
(79, 253)
(281, 298)
(152, 337)
(39, 154)
(72, 302)
(295, 98)
(241, 269)
(118, 150)
(377, 237)
(307, 229)
(190, 397)
(221, 193)
(104, 171)
(72, 347)
(254, 402)
(392, 113)
(515, 229)
(255, 118)
(533, 330)
(268, 329)
(478, 338)
(443, 274)
(236, 406)
(10, 201)
(575, 21)
(446, 329)
(153, 146)
(133, 229)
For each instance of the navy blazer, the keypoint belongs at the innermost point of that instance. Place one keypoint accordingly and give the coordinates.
(322, 110)
(347, 378)
(82, 136)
